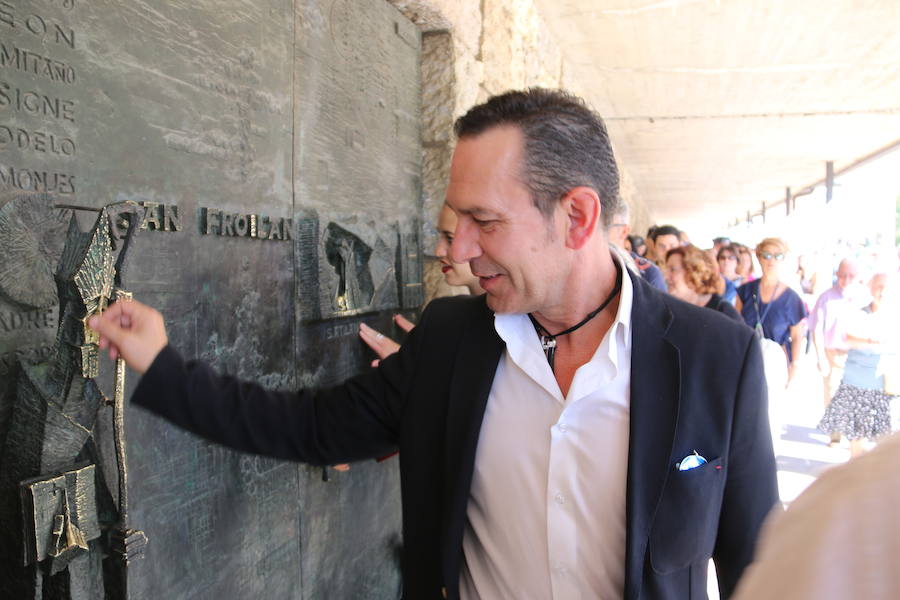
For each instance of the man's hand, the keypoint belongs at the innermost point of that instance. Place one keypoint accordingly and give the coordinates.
(404, 323)
(381, 344)
(132, 331)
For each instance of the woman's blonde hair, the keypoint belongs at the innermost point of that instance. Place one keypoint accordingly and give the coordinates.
(772, 241)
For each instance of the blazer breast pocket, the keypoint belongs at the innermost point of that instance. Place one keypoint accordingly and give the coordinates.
(687, 519)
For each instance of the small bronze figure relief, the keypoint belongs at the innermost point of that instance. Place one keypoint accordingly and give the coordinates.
(349, 256)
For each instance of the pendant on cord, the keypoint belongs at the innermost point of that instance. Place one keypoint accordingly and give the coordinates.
(548, 340)
(548, 344)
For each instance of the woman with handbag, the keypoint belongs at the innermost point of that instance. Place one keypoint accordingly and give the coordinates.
(861, 407)
(777, 313)
(772, 308)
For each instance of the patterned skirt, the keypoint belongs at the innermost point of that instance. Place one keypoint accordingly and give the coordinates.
(858, 413)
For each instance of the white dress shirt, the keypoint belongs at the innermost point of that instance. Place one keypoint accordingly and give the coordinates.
(546, 512)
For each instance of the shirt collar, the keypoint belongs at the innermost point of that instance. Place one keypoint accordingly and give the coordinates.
(524, 346)
(626, 301)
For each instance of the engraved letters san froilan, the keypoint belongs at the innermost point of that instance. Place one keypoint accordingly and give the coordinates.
(217, 222)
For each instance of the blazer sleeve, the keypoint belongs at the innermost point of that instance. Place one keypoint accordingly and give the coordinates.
(751, 489)
(357, 419)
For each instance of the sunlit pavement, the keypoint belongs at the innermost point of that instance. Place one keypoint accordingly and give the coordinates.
(803, 453)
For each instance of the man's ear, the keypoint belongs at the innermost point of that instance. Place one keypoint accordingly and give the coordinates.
(582, 210)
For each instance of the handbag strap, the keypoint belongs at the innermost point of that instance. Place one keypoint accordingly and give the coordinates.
(762, 317)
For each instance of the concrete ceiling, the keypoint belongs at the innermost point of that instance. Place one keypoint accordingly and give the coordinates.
(715, 107)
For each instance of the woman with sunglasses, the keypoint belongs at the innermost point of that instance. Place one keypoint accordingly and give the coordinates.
(771, 307)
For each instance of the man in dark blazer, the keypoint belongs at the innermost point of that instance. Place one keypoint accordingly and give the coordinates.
(533, 182)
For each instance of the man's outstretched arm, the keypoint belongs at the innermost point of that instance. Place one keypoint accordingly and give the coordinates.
(358, 419)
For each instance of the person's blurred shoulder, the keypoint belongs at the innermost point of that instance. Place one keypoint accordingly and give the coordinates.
(717, 302)
(838, 539)
(706, 331)
(650, 272)
(641, 262)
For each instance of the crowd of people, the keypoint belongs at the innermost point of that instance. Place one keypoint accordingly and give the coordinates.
(852, 326)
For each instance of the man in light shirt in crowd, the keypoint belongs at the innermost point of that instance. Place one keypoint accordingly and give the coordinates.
(827, 321)
(572, 433)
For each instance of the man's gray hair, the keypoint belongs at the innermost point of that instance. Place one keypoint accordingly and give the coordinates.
(566, 145)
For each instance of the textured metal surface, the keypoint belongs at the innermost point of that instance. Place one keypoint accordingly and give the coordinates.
(274, 148)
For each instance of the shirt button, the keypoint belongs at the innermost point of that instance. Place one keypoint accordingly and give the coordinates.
(562, 427)
(560, 499)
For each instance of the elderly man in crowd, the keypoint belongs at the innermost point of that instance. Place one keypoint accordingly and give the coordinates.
(618, 232)
(827, 322)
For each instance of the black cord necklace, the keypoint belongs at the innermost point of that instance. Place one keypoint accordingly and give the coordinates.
(548, 340)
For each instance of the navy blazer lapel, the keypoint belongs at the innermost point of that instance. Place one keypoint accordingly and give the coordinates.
(655, 394)
(479, 352)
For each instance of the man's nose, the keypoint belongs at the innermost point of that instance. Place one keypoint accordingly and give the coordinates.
(465, 245)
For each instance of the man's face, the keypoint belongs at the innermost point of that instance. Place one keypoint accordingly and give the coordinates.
(846, 274)
(877, 286)
(664, 243)
(513, 250)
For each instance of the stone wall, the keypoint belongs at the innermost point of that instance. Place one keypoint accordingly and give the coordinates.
(472, 49)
